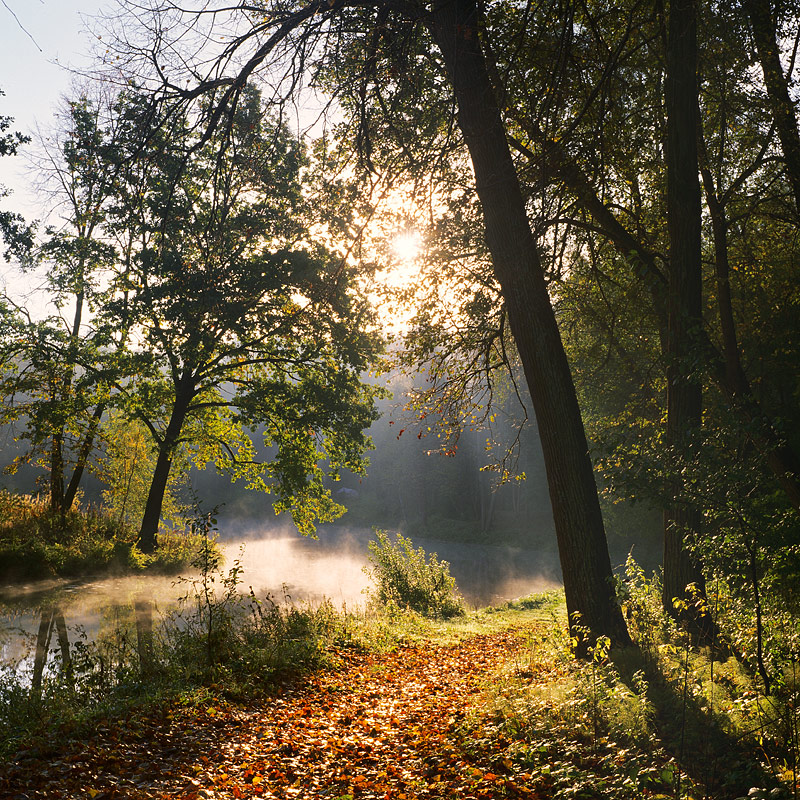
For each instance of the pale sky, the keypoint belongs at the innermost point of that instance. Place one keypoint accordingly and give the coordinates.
(33, 83)
(30, 74)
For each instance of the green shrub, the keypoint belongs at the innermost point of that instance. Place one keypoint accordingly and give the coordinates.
(36, 543)
(406, 577)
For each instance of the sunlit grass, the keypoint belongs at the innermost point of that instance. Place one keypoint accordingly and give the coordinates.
(36, 543)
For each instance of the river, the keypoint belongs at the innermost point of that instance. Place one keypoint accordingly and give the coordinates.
(279, 563)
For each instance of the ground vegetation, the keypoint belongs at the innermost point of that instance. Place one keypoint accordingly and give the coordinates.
(255, 698)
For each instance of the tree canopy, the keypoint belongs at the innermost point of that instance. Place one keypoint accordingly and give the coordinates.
(217, 317)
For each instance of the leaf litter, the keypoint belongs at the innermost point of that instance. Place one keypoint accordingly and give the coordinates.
(381, 726)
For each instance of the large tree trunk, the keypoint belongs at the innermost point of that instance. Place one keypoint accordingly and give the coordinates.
(184, 393)
(684, 390)
(765, 35)
(583, 550)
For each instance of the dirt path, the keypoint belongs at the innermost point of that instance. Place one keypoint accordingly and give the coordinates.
(381, 727)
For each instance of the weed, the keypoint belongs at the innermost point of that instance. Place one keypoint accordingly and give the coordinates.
(405, 577)
(36, 543)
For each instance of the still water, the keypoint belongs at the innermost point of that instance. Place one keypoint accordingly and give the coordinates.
(282, 564)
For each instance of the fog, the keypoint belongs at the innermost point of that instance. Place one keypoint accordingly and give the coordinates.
(276, 562)
(332, 566)
(499, 540)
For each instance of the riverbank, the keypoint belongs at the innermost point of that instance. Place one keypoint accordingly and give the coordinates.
(389, 704)
(37, 544)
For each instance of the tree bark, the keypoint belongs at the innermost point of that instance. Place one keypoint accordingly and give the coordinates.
(685, 321)
(83, 457)
(765, 36)
(184, 393)
(583, 550)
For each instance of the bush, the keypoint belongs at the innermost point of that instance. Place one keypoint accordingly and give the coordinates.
(36, 543)
(407, 578)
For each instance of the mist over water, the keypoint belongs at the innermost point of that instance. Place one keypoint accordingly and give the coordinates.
(278, 562)
(332, 566)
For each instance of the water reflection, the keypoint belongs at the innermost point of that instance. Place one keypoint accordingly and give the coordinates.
(279, 564)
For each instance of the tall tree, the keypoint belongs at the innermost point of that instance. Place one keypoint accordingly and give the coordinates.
(583, 551)
(684, 381)
(455, 27)
(243, 322)
(51, 378)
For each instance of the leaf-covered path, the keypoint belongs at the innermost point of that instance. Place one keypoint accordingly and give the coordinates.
(380, 727)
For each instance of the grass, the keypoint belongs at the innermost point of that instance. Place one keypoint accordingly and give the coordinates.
(661, 719)
(36, 544)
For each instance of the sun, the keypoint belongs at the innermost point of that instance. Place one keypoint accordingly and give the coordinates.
(407, 245)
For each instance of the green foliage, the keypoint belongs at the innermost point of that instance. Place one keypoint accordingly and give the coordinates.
(245, 643)
(126, 469)
(663, 719)
(708, 694)
(37, 543)
(405, 577)
(253, 336)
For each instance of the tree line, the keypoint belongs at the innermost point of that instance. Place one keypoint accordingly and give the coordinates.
(609, 197)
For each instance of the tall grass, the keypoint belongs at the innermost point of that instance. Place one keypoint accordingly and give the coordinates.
(36, 543)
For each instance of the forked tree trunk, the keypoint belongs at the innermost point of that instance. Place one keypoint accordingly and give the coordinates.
(583, 550)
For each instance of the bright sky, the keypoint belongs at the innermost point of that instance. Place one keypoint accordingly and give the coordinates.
(40, 42)
(30, 74)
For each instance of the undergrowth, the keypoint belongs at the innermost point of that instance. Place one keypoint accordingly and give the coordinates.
(405, 577)
(662, 719)
(36, 543)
